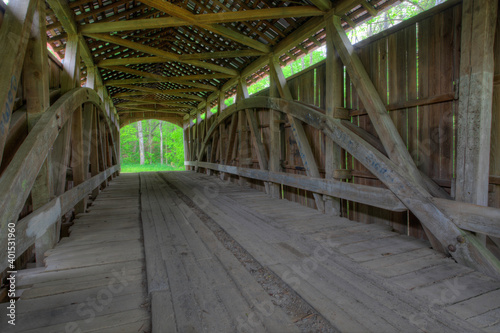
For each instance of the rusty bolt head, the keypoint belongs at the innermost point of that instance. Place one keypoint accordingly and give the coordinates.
(461, 239)
(451, 248)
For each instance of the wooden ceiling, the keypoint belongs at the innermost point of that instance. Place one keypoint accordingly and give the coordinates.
(155, 55)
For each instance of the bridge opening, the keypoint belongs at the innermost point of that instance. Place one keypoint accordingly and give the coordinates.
(151, 145)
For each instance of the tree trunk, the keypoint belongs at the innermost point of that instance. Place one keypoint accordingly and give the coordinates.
(150, 142)
(141, 141)
(161, 143)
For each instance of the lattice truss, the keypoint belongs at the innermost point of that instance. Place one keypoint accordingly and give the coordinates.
(170, 56)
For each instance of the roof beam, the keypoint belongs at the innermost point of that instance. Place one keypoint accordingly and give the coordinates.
(160, 110)
(323, 5)
(160, 53)
(226, 17)
(156, 78)
(218, 29)
(164, 92)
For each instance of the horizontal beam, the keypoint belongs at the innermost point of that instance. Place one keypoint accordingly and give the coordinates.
(168, 56)
(373, 196)
(225, 17)
(171, 92)
(156, 78)
(37, 223)
(220, 30)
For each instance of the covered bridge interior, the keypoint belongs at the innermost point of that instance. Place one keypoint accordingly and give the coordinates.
(360, 194)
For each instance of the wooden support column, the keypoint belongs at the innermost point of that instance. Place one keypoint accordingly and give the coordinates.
(91, 77)
(197, 135)
(185, 138)
(88, 117)
(222, 133)
(382, 122)
(61, 152)
(94, 151)
(475, 104)
(334, 99)
(207, 112)
(244, 150)
(299, 134)
(14, 36)
(77, 155)
(36, 86)
(274, 150)
(102, 150)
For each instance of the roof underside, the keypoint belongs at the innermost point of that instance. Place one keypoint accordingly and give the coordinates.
(185, 51)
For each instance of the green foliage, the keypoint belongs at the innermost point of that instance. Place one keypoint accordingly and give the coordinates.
(173, 146)
(397, 14)
(133, 168)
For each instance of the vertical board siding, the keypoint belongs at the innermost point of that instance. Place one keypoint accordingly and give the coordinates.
(418, 62)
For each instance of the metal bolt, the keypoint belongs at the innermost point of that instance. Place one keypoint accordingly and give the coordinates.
(451, 248)
(461, 239)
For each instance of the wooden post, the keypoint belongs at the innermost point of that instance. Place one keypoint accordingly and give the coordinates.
(77, 155)
(36, 86)
(299, 134)
(244, 151)
(94, 151)
(61, 153)
(91, 74)
(222, 133)
(334, 99)
(185, 137)
(14, 36)
(475, 104)
(274, 129)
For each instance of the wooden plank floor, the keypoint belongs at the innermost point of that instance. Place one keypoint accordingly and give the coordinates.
(361, 278)
(94, 280)
(211, 256)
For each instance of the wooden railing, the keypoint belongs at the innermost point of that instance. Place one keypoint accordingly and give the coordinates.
(20, 176)
(448, 220)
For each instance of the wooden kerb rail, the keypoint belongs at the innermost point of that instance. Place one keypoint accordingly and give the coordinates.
(446, 219)
(20, 176)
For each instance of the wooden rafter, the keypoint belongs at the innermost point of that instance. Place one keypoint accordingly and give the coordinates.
(168, 56)
(224, 17)
(218, 29)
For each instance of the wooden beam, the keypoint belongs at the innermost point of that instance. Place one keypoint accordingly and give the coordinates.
(223, 17)
(29, 229)
(299, 134)
(78, 156)
(159, 110)
(66, 17)
(223, 54)
(182, 13)
(475, 103)
(70, 75)
(373, 196)
(171, 92)
(322, 5)
(36, 90)
(14, 36)
(274, 144)
(334, 99)
(463, 246)
(383, 124)
(160, 53)
(155, 78)
(369, 8)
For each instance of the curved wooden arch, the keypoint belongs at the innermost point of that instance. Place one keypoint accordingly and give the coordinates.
(462, 245)
(19, 177)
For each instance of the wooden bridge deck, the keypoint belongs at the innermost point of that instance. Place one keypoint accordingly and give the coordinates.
(223, 258)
